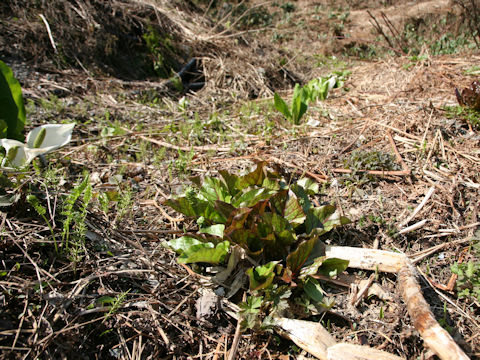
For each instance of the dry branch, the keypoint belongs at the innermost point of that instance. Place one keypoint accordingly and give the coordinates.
(368, 259)
(435, 337)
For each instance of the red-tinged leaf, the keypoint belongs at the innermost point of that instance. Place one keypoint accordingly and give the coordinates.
(283, 235)
(237, 220)
(297, 258)
(470, 96)
(231, 181)
(278, 201)
(293, 210)
(287, 277)
(223, 208)
(254, 178)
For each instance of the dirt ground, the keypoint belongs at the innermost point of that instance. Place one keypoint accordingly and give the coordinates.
(139, 146)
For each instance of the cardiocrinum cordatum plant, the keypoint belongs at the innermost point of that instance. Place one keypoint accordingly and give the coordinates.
(275, 224)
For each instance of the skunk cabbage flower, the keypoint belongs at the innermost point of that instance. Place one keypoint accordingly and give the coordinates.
(40, 140)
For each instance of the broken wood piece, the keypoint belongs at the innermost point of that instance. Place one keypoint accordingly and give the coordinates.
(434, 336)
(345, 351)
(310, 336)
(375, 172)
(363, 290)
(316, 340)
(368, 259)
(429, 193)
(232, 354)
(413, 227)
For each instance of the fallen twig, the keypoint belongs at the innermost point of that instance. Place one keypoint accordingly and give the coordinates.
(413, 227)
(435, 337)
(236, 338)
(419, 207)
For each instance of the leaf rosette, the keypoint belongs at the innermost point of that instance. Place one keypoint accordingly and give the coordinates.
(258, 211)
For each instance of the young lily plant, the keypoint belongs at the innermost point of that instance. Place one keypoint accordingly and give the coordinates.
(275, 223)
(316, 89)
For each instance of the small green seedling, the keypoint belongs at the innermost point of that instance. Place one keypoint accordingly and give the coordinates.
(316, 89)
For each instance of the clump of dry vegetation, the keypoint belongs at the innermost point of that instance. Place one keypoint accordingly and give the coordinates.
(85, 266)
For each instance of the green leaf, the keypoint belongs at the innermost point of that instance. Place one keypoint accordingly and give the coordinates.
(12, 109)
(299, 108)
(293, 211)
(333, 266)
(310, 186)
(297, 258)
(253, 178)
(321, 265)
(252, 305)
(282, 106)
(251, 197)
(193, 207)
(317, 216)
(3, 128)
(7, 200)
(214, 189)
(261, 276)
(216, 230)
(192, 250)
(335, 221)
(183, 243)
(106, 300)
(313, 289)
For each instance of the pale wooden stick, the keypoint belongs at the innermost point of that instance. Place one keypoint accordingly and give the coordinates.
(368, 259)
(435, 337)
(345, 351)
(413, 227)
(49, 32)
(419, 207)
(236, 338)
(310, 336)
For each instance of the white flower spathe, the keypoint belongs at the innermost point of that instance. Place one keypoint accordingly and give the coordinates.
(55, 136)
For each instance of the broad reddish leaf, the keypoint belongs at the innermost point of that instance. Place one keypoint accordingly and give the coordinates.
(470, 96)
(254, 178)
(297, 258)
(293, 210)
